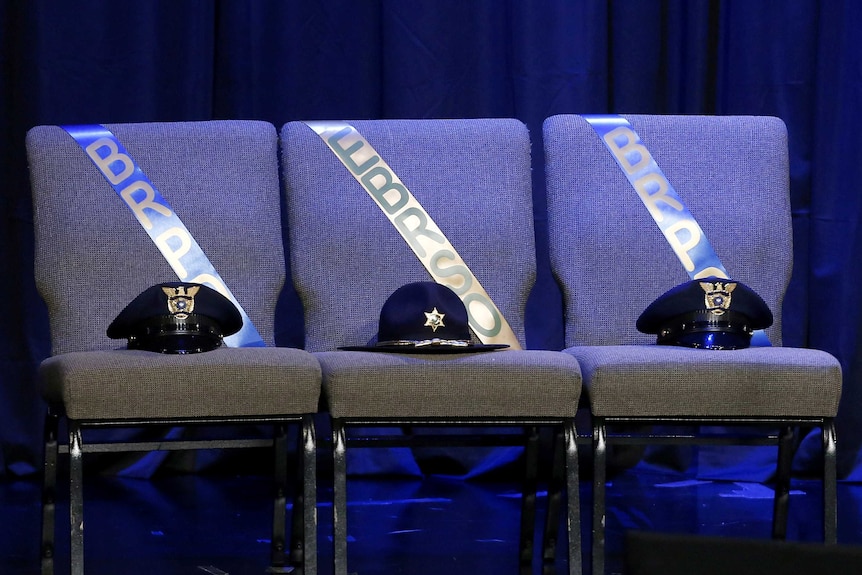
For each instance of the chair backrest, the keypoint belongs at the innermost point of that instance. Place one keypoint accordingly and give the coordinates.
(92, 255)
(472, 177)
(607, 252)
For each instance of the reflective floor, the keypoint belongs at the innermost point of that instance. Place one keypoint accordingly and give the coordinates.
(196, 524)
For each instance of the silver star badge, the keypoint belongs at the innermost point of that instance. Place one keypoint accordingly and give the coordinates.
(434, 319)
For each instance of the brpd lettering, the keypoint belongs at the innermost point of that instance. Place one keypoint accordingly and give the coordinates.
(168, 233)
(107, 162)
(682, 232)
(416, 227)
(163, 226)
(148, 202)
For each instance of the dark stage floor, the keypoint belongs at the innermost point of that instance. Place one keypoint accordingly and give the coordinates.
(219, 524)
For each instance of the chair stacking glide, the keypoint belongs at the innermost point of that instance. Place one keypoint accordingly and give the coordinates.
(612, 261)
(472, 178)
(93, 257)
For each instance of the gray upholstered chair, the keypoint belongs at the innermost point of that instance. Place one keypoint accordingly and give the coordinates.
(93, 258)
(612, 262)
(472, 177)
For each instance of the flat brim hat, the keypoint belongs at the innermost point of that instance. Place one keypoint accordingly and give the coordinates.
(709, 313)
(424, 317)
(176, 317)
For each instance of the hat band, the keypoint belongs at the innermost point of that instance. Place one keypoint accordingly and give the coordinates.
(708, 330)
(425, 342)
(168, 334)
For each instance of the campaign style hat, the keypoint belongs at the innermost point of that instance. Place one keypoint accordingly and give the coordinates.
(424, 317)
(710, 313)
(176, 317)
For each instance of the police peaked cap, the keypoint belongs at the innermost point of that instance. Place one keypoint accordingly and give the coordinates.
(709, 313)
(424, 317)
(176, 317)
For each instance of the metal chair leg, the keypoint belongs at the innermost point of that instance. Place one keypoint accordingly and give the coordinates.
(599, 477)
(528, 501)
(278, 558)
(339, 497)
(303, 533)
(76, 498)
(573, 494)
(830, 489)
(555, 497)
(49, 491)
(309, 495)
(782, 483)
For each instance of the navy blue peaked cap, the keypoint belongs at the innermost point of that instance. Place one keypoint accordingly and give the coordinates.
(709, 313)
(176, 317)
(424, 317)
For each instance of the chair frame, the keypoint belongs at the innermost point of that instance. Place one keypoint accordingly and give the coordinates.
(783, 439)
(766, 165)
(444, 137)
(301, 557)
(158, 146)
(564, 476)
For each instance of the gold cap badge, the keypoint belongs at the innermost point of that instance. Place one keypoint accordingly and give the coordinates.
(181, 300)
(717, 296)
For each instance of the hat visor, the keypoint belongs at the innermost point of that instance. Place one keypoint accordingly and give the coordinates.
(420, 347)
(179, 343)
(716, 340)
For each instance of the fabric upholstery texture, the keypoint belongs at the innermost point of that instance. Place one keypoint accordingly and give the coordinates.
(93, 258)
(226, 382)
(473, 385)
(609, 254)
(650, 380)
(473, 179)
(471, 176)
(612, 262)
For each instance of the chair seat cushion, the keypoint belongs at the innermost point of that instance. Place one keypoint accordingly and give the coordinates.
(506, 383)
(226, 382)
(667, 381)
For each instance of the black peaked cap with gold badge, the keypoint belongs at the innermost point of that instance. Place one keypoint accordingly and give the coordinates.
(424, 317)
(176, 317)
(709, 313)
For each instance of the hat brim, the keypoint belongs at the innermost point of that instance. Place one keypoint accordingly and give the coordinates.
(427, 349)
(714, 340)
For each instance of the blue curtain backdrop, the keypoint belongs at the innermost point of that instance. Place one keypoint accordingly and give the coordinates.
(96, 61)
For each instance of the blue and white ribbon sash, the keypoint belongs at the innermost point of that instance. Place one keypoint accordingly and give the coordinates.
(680, 229)
(417, 228)
(155, 215)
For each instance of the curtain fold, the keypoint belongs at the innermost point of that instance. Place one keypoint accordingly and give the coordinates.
(279, 60)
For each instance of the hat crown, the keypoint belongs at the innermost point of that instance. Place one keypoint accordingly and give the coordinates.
(176, 317)
(422, 311)
(711, 313)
